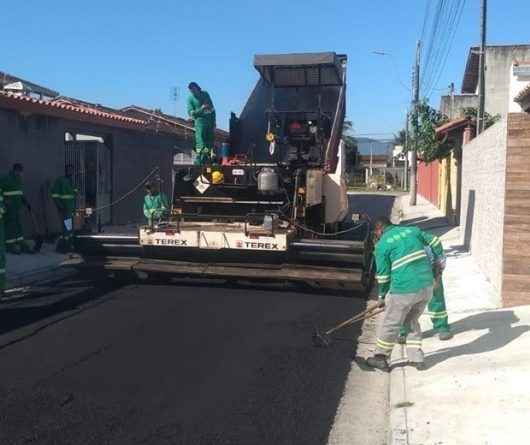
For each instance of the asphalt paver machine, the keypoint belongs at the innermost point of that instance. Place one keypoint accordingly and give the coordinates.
(273, 205)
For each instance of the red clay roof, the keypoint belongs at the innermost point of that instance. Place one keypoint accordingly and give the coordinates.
(454, 125)
(69, 108)
(65, 108)
(135, 110)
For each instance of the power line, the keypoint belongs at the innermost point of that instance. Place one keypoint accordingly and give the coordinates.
(431, 41)
(444, 24)
(449, 47)
(435, 43)
(425, 19)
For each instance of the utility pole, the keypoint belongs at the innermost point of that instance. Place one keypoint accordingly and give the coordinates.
(175, 95)
(482, 67)
(406, 151)
(415, 108)
(452, 90)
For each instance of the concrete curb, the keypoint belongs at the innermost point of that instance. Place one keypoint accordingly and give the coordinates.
(397, 386)
(398, 431)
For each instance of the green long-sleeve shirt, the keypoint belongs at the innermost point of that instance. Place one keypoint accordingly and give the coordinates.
(12, 191)
(402, 263)
(195, 110)
(64, 193)
(155, 206)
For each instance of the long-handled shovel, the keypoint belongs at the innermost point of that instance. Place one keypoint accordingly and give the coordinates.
(37, 237)
(324, 340)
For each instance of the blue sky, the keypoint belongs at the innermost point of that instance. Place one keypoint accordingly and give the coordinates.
(118, 52)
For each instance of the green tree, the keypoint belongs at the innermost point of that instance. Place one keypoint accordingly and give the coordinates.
(424, 135)
(350, 145)
(489, 120)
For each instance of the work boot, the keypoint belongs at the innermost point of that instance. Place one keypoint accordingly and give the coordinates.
(445, 335)
(378, 361)
(420, 366)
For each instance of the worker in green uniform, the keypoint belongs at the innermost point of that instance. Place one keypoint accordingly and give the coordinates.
(155, 203)
(14, 199)
(405, 278)
(202, 111)
(64, 195)
(2, 246)
(436, 309)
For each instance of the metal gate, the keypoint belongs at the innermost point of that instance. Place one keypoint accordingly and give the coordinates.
(74, 155)
(92, 176)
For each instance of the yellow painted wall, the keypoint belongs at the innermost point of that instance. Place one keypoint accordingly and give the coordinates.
(447, 186)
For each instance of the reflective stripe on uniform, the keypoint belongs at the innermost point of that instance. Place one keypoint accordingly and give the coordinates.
(57, 196)
(413, 342)
(14, 240)
(409, 259)
(384, 345)
(381, 279)
(14, 193)
(437, 314)
(435, 241)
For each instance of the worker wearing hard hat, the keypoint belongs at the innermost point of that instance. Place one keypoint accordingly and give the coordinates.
(14, 199)
(64, 195)
(155, 203)
(436, 309)
(405, 278)
(2, 246)
(202, 111)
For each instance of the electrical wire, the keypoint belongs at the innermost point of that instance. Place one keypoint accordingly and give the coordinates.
(445, 23)
(425, 19)
(431, 42)
(458, 18)
(129, 193)
(446, 30)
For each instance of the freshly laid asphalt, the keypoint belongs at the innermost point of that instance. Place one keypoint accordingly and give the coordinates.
(90, 361)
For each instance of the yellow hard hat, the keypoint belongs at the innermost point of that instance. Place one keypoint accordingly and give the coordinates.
(217, 177)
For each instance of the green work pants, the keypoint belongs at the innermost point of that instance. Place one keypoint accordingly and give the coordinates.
(14, 237)
(2, 257)
(436, 309)
(204, 140)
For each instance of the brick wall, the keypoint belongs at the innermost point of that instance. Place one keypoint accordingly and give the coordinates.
(516, 264)
(482, 206)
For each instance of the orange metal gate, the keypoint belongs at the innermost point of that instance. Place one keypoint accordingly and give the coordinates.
(428, 178)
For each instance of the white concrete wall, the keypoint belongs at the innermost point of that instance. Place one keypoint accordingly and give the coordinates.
(483, 176)
(499, 61)
(517, 84)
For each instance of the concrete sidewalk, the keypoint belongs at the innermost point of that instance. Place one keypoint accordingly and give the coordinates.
(474, 390)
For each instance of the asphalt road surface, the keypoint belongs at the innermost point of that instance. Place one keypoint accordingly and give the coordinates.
(92, 362)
